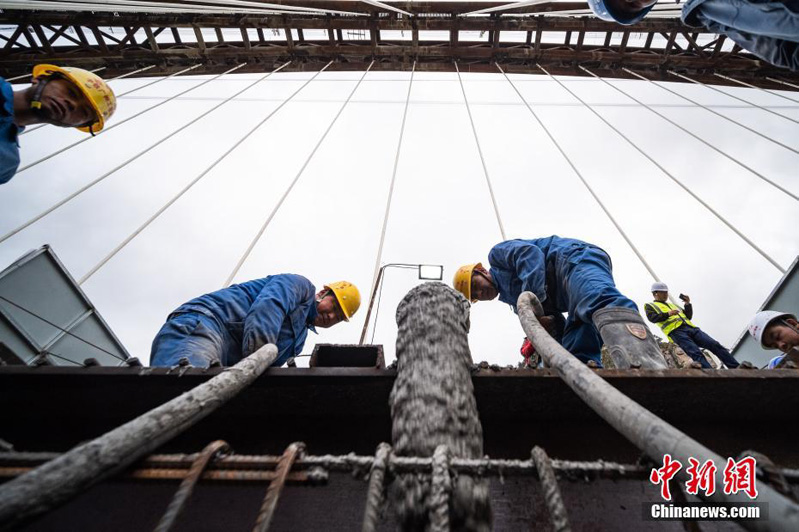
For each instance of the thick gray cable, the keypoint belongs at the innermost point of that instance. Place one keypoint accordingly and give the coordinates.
(651, 434)
(117, 124)
(667, 173)
(708, 109)
(294, 181)
(711, 87)
(72, 473)
(750, 86)
(583, 180)
(697, 137)
(379, 258)
(39, 126)
(480, 152)
(130, 160)
(193, 182)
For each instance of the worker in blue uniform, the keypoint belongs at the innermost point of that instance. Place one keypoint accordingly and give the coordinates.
(571, 276)
(223, 327)
(768, 29)
(62, 96)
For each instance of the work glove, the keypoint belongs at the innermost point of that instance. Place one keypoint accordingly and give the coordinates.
(529, 354)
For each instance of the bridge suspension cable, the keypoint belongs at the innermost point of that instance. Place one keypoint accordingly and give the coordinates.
(766, 109)
(480, 152)
(89, 185)
(296, 178)
(379, 258)
(749, 85)
(709, 110)
(192, 183)
(697, 137)
(39, 126)
(582, 179)
(117, 124)
(667, 173)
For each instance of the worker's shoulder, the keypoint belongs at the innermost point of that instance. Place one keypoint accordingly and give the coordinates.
(288, 278)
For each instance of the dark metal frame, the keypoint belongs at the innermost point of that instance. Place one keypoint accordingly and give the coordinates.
(28, 44)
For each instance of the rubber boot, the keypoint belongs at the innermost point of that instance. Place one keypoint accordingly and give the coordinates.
(629, 341)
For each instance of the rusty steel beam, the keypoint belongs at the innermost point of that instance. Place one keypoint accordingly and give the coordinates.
(121, 55)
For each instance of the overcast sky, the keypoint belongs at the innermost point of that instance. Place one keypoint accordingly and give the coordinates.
(329, 226)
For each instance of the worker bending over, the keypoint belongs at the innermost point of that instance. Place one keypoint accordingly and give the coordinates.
(225, 326)
(571, 276)
(62, 96)
(768, 29)
(676, 325)
(775, 330)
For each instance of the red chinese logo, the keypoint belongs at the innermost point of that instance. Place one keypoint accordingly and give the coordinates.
(740, 476)
(701, 478)
(664, 474)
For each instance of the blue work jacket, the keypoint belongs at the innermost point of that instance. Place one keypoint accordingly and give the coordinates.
(278, 309)
(540, 266)
(768, 29)
(9, 147)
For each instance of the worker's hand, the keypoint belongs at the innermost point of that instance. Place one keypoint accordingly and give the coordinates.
(685, 298)
(549, 324)
(673, 312)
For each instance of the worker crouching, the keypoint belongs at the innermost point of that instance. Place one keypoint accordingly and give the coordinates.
(225, 326)
(572, 276)
(61, 96)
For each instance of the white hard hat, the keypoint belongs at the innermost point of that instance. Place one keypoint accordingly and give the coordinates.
(762, 320)
(660, 287)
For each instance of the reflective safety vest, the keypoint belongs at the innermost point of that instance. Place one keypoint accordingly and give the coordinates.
(672, 322)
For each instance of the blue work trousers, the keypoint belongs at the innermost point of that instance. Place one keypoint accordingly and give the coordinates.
(767, 28)
(691, 339)
(195, 336)
(589, 286)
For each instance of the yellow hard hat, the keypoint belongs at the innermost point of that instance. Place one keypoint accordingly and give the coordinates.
(99, 94)
(348, 297)
(462, 282)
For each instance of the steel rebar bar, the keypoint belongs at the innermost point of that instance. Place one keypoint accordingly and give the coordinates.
(267, 511)
(375, 494)
(186, 488)
(549, 482)
(57, 481)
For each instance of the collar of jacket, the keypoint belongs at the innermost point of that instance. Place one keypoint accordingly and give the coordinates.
(312, 313)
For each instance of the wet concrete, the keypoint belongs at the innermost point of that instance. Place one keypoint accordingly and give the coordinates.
(432, 403)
